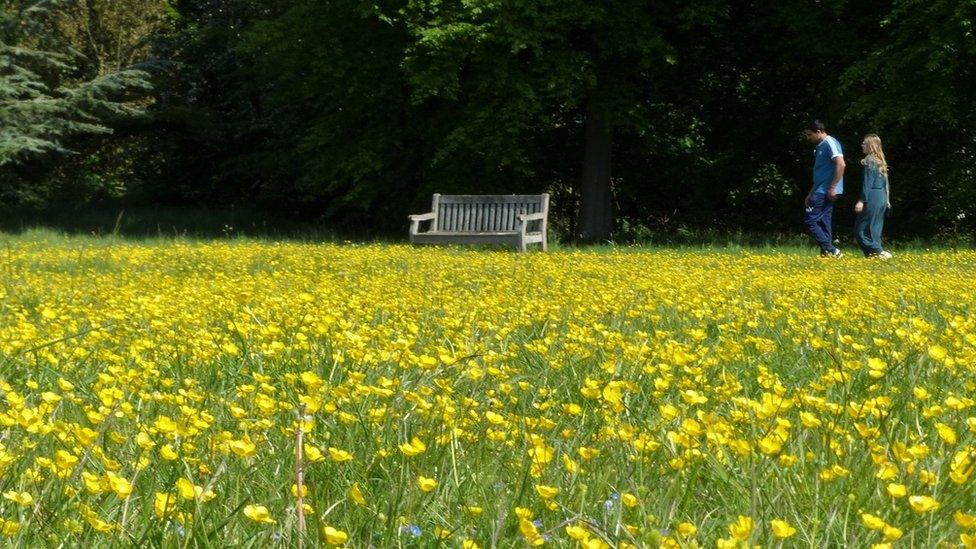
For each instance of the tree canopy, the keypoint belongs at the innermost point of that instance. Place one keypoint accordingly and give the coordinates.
(52, 94)
(636, 116)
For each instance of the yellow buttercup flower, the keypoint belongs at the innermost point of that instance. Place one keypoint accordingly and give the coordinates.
(530, 532)
(9, 528)
(243, 447)
(892, 533)
(577, 533)
(897, 490)
(163, 504)
(741, 529)
(167, 453)
(294, 490)
(258, 513)
(118, 484)
(186, 489)
(628, 499)
(588, 453)
(873, 522)
(20, 498)
(964, 520)
(339, 456)
(312, 454)
(946, 433)
(311, 380)
(413, 448)
(937, 353)
(546, 492)
(334, 536)
(65, 461)
(356, 494)
(782, 529)
(426, 484)
(923, 504)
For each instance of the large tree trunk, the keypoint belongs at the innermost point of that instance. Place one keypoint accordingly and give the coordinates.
(596, 213)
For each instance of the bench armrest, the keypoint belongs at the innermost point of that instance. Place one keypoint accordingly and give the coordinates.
(523, 227)
(525, 219)
(416, 219)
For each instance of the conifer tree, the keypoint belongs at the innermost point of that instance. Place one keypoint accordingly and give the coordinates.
(43, 101)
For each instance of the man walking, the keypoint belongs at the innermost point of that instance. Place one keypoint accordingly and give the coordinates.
(828, 184)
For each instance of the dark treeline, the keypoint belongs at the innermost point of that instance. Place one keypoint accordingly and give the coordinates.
(637, 116)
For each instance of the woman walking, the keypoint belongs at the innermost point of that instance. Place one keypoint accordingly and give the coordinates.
(875, 199)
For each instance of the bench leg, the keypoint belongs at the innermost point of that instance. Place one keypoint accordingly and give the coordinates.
(414, 227)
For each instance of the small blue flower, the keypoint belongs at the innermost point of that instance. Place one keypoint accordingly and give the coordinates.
(276, 536)
(537, 523)
(615, 496)
(608, 504)
(412, 529)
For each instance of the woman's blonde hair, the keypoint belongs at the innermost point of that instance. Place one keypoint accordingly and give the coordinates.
(875, 153)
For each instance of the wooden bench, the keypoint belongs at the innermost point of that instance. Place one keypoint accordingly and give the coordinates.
(514, 219)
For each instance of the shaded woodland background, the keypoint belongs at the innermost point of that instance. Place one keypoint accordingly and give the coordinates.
(640, 117)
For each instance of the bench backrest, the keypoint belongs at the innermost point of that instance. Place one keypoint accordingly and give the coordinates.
(485, 213)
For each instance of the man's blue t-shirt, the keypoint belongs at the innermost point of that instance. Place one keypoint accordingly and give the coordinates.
(823, 165)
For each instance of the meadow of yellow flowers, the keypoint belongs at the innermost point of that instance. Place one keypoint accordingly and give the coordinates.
(153, 394)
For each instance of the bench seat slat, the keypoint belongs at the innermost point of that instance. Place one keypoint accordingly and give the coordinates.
(475, 238)
(473, 232)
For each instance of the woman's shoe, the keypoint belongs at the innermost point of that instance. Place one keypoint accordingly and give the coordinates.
(884, 255)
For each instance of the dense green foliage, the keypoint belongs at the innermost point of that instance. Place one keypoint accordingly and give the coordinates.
(55, 95)
(637, 116)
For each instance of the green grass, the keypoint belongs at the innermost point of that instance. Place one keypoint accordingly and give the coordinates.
(735, 324)
(145, 223)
